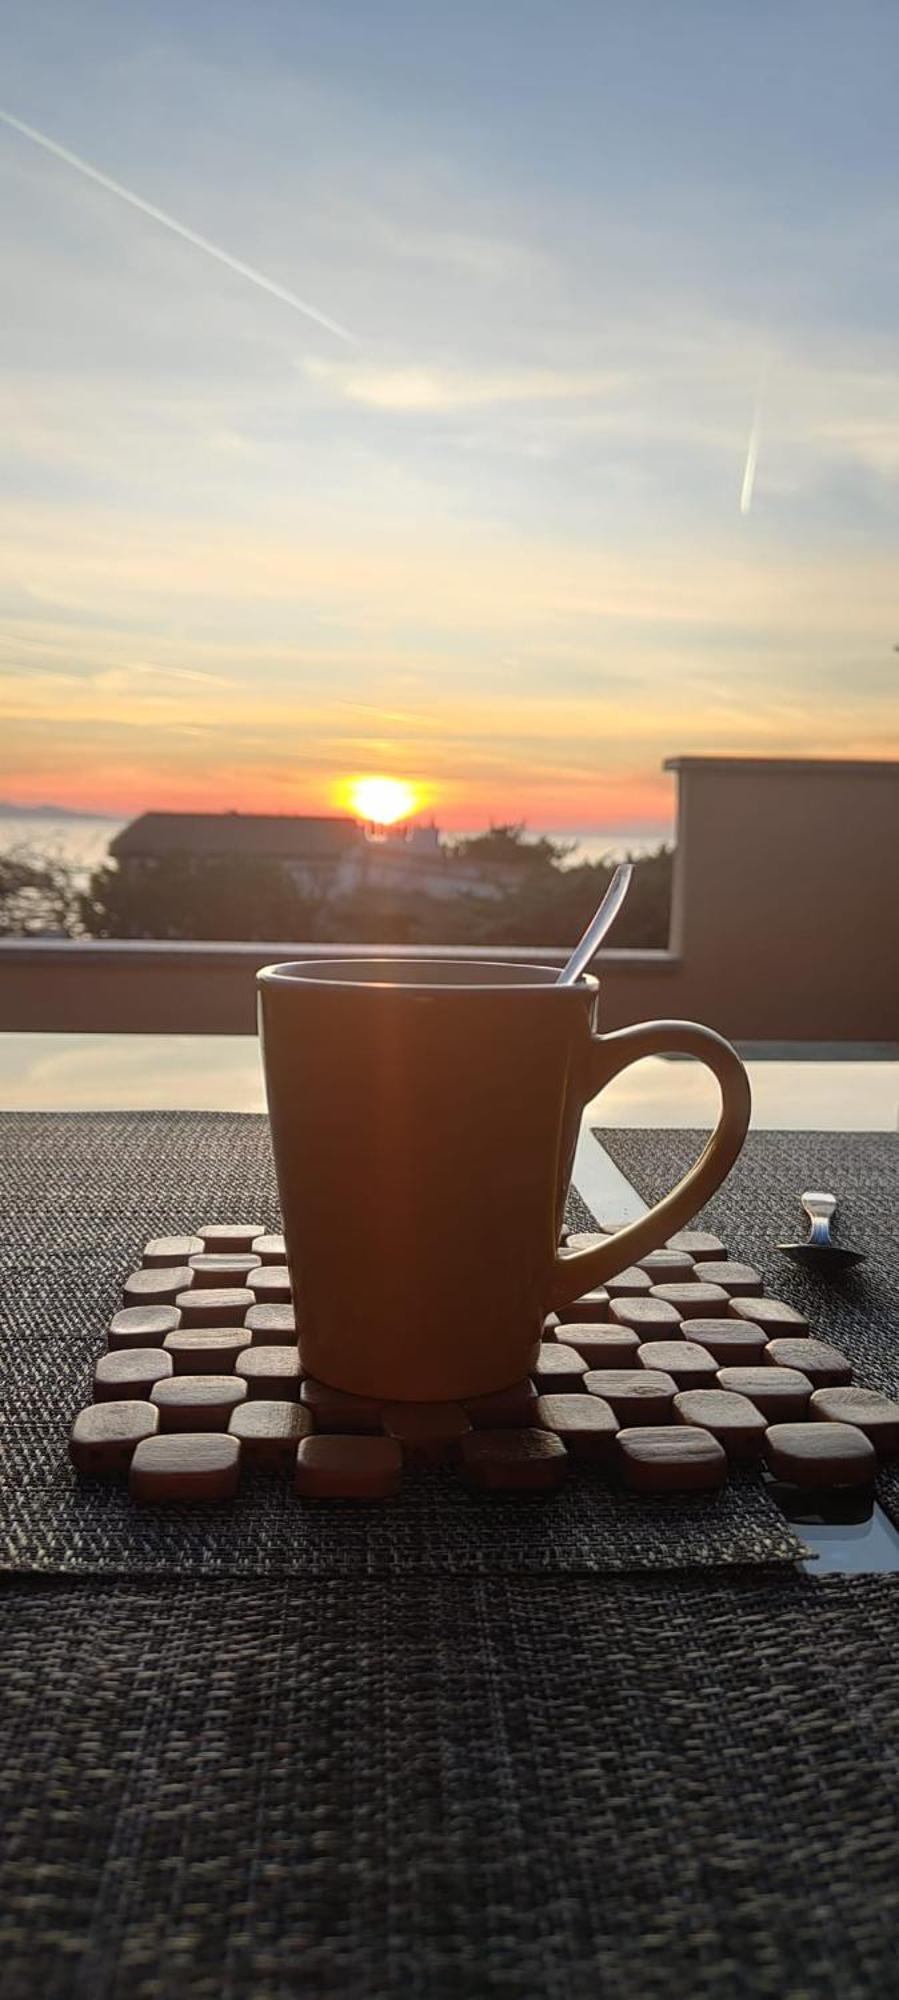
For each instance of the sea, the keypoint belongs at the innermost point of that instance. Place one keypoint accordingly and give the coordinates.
(82, 843)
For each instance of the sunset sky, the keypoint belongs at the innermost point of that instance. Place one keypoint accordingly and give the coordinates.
(596, 461)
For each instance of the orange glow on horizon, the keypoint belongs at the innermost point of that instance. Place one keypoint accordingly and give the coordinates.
(626, 801)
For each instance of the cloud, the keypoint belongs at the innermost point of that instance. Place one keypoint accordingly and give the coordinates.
(484, 256)
(449, 594)
(134, 672)
(411, 388)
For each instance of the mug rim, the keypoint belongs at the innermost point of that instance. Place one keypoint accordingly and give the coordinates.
(317, 972)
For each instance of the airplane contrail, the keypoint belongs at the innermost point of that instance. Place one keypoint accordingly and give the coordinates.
(752, 450)
(178, 228)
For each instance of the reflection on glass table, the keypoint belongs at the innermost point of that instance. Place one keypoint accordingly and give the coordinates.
(850, 1534)
(791, 1091)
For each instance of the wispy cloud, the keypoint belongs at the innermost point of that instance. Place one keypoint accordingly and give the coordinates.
(218, 584)
(136, 671)
(411, 388)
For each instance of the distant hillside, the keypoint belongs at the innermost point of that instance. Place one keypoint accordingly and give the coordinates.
(10, 811)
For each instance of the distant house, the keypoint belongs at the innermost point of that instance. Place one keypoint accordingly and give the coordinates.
(311, 851)
(325, 857)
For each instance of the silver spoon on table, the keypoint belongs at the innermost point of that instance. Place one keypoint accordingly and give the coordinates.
(819, 1252)
(598, 925)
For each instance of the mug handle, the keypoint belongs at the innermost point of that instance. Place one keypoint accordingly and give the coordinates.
(579, 1271)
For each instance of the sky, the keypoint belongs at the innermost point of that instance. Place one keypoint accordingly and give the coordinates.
(565, 440)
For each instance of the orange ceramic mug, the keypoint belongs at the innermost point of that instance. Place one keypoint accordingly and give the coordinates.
(424, 1116)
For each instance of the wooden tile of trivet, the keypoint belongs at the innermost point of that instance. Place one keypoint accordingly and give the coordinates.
(660, 1381)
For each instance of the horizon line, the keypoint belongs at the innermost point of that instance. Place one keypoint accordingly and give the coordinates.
(12, 808)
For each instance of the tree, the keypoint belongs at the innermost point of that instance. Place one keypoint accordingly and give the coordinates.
(37, 895)
(405, 917)
(180, 897)
(555, 907)
(547, 905)
(510, 847)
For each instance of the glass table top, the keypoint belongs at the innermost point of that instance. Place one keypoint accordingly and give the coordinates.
(799, 1090)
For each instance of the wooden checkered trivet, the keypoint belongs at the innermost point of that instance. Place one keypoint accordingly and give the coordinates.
(661, 1381)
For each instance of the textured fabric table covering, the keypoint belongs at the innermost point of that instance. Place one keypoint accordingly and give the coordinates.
(677, 1787)
(659, 1789)
(82, 1194)
(758, 1207)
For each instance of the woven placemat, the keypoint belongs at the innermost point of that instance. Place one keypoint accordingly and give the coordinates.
(84, 1194)
(758, 1207)
(676, 1789)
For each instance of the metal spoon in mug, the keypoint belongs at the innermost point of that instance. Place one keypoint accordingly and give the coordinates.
(819, 1252)
(598, 925)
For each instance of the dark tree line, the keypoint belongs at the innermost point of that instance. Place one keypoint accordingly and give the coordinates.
(539, 901)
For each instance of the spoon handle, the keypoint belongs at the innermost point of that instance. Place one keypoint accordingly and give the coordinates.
(820, 1210)
(596, 930)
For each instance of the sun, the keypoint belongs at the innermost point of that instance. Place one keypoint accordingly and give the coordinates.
(382, 801)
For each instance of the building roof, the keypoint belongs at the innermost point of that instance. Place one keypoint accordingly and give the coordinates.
(269, 836)
(863, 767)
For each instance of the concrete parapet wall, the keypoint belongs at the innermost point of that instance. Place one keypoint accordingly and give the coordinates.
(785, 911)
